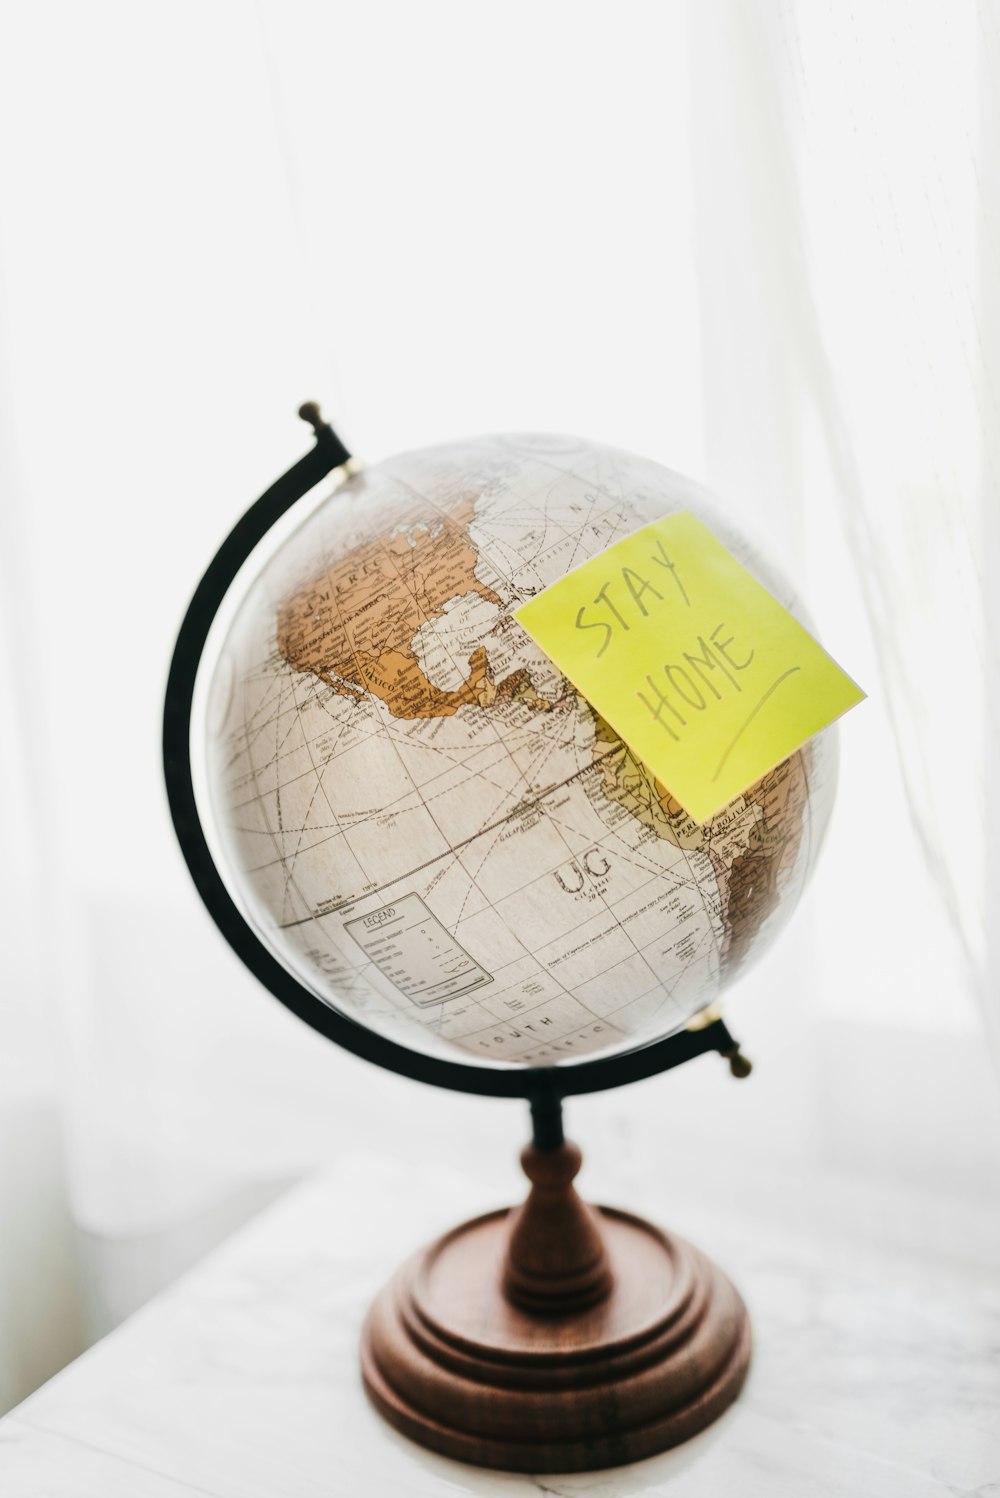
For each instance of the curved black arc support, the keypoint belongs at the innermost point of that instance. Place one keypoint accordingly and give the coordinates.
(329, 453)
(543, 1087)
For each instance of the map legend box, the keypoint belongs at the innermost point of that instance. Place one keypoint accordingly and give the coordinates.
(411, 948)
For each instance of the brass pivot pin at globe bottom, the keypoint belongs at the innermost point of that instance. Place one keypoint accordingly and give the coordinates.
(556, 1336)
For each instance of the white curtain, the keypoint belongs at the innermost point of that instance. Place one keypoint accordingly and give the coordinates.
(849, 214)
(754, 241)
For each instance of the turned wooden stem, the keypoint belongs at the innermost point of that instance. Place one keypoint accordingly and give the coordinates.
(556, 1260)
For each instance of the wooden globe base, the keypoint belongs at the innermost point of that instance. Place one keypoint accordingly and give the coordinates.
(555, 1337)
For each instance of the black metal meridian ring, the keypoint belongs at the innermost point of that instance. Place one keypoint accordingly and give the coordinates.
(542, 1086)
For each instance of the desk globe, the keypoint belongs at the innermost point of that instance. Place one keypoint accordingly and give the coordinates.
(424, 840)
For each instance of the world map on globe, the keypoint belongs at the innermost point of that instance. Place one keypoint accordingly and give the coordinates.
(425, 820)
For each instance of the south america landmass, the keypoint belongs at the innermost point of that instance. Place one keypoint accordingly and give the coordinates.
(750, 842)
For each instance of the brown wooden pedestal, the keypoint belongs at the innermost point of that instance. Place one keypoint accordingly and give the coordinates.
(555, 1337)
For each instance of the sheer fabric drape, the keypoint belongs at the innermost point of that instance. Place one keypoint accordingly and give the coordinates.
(848, 215)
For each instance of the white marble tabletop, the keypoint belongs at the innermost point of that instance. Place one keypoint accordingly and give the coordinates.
(876, 1372)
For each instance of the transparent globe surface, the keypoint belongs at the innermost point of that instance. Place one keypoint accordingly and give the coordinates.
(422, 818)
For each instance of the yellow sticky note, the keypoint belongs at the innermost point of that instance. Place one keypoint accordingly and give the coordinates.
(707, 678)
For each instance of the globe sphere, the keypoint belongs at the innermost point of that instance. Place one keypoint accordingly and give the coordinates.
(422, 818)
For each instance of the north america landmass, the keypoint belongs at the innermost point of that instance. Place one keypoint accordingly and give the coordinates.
(355, 624)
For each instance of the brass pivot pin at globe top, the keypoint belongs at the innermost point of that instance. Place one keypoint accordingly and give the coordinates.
(553, 1337)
